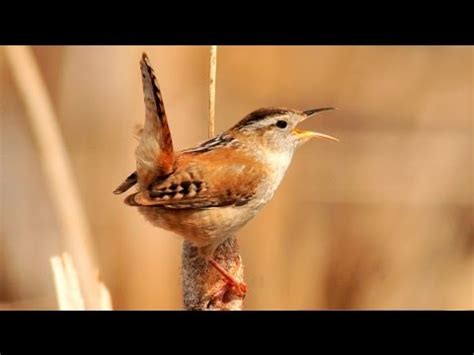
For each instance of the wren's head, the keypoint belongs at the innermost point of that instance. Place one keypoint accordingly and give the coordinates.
(274, 129)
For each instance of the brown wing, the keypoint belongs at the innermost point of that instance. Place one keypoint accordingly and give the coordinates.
(154, 153)
(214, 179)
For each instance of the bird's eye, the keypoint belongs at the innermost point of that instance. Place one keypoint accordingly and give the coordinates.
(281, 124)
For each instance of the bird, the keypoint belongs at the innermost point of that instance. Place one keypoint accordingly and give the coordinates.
(208, 192)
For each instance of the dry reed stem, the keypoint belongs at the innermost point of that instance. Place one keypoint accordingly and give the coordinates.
(104, 297)
(201, 283)
(56, 166)
(67, 286)
(212, 91)
(68, 296)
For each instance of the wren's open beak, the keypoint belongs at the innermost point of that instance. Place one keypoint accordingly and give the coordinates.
(314, 111)
(304, 136)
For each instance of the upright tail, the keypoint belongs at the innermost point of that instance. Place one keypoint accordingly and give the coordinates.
(154, 154)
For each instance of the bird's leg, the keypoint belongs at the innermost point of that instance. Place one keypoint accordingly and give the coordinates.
(239, 286)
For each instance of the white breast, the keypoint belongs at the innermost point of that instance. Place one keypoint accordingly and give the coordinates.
(277, 166)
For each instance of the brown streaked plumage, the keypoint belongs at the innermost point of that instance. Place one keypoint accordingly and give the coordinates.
(208, 192)
(203, 181)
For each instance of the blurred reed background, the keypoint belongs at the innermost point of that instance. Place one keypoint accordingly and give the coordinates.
(381, 220)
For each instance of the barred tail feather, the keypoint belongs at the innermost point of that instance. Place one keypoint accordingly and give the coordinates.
(154, 154)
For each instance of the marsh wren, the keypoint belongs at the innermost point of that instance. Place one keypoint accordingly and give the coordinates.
(208, 192)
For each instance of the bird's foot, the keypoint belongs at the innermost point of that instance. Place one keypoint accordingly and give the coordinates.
(239, 287)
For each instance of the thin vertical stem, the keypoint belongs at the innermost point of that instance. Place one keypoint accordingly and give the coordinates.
(212, 91)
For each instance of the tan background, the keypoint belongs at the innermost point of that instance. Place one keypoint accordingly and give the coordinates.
(384, 219)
